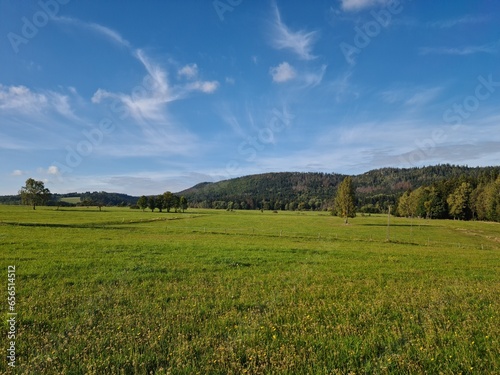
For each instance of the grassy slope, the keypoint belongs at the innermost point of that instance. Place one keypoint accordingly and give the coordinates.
(71, 199)
(223, 292)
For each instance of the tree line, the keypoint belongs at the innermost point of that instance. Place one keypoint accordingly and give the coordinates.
(166, 201)
(464, 198)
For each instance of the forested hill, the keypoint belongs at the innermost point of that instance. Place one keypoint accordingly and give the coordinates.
(375, 190)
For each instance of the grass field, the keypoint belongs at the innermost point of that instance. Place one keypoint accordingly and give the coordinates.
(213, 292)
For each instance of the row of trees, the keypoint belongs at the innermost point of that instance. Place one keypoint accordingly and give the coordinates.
(464, 200)
(34, 193)
(300, 204)
(165, 201)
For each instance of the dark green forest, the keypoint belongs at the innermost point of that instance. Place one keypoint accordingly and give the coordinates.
(375, 190)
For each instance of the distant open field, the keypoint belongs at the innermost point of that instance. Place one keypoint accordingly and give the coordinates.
(215, 292)
(72, 200)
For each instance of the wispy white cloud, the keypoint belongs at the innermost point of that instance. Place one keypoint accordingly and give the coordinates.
(207, 87)
(61, 104)
(357, 5)
(469, 153)
(407, 140)
(100, 95)
(299, 42)
(153, 144)
(343, 88)
(151, 104)
(18, 172)
(228, 117)
(22, 100)
(411, 22)
(188, 71)
(31, 66)
(466, 20)
(53, 170)
(50, 171)
(159, 75)
(146, 106)
(283, 72)
(101, 30)
(412, 97)
(460, 51)
(393, 95)
(312, 78)
(424, 96)
(110, 34)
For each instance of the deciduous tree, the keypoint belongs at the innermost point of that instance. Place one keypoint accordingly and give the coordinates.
(161, 202)
(183, 203)
(142, 202)
(168, 198)
(152, 203)
(34, 193)
(459, 202)
(344, 200)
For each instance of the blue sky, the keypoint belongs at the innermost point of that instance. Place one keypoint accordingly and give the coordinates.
(144, 97)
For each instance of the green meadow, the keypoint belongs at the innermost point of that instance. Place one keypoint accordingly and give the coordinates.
(247, 292)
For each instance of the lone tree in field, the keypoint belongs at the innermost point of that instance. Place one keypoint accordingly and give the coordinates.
(34, 193)
(344, 200)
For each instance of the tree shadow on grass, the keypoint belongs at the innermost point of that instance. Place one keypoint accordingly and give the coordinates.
(393, 225)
